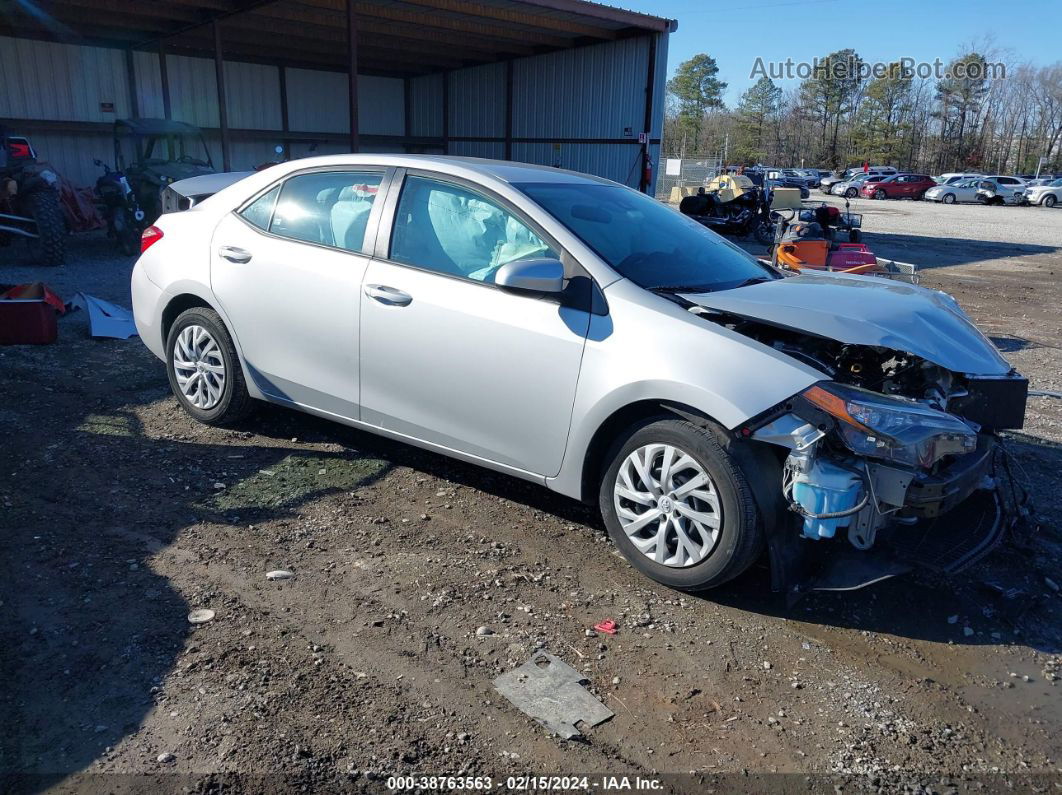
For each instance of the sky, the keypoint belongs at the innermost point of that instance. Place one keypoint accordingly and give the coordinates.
(736, 32)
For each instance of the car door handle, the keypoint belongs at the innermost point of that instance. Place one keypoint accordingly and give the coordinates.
(387, 295)
(233, 254)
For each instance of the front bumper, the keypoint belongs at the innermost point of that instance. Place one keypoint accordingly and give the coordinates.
(933, 494)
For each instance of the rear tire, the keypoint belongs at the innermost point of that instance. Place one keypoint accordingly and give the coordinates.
(49, 247)
(207, 343)
(710, 556)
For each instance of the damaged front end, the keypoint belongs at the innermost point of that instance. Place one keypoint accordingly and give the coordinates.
(890, 463)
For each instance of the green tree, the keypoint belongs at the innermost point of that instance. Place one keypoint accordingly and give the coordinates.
(830, 95)
(696, 89)
(882, 121)
(755, 111)
(961, 94)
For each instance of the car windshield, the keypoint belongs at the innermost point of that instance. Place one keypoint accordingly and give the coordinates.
(645, 241)
(1056, 183)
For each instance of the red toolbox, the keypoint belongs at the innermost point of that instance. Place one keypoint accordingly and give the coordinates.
(27, 321)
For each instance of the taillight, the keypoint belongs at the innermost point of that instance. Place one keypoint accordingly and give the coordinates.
(150, 236)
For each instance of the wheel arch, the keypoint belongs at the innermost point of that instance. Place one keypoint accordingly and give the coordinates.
(181, 303)
(607, 433)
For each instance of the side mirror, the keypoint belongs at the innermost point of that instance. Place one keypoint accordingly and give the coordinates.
(542, 276)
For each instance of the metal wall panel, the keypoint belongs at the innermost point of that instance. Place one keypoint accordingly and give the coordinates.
(45, 80)
(149, 85)
(318, 101)
(193, 90)
(493, 151)
(588, 92)
(477, 101)
(381, 105)
(426, 105)
(252, 96)
(619, 162)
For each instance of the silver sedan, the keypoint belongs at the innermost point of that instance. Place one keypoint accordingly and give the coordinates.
(964, 191)
(573, 332)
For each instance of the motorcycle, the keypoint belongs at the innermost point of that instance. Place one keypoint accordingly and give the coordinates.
(125, 219)
(732, 205)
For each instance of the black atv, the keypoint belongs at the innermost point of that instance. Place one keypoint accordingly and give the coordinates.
(152, 153)
(29, 201)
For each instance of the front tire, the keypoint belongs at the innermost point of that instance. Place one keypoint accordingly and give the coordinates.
(678, 506)
(204, 369)
(1049, 200)
(879, 194)
(949, 198)
(851, 193)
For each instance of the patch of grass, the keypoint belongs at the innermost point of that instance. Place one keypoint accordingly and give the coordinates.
(294, 478)
(106, 425)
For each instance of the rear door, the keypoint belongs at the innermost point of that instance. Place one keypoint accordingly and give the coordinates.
(287, 271)
(449, 358)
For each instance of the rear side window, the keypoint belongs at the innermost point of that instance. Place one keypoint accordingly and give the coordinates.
(260, 211)
(326, 208)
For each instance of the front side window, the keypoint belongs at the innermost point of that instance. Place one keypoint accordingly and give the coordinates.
(452, 230)
(645, 241)
(326, 208)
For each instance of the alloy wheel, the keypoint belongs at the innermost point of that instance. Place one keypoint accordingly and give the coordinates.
(668, 506)
(199, 367)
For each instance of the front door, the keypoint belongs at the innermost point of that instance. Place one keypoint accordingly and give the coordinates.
(287, 271)
(449, 358)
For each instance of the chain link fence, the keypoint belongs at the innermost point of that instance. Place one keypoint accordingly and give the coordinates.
(682, 175)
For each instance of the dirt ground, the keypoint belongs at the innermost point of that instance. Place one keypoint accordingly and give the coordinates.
(121, 515)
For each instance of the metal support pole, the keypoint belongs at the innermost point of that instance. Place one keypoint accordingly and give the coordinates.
(352, 66)
(508, 110)
(223, 111)
(446, 113)
(650, 79)
(285, 124)
(130, 74)
(407, 111)
(164, 78)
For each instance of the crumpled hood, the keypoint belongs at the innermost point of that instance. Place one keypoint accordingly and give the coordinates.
(867, 310)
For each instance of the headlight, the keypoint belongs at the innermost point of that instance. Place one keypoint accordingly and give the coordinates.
(892, 428)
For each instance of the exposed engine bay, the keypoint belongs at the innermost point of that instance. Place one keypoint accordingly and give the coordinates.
(889, 440)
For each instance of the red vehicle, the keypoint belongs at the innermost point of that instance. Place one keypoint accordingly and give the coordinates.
(899, 186)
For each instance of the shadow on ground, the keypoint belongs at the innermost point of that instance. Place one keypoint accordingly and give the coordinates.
(89, 498)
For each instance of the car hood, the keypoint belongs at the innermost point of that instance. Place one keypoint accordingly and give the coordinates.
(867, 310)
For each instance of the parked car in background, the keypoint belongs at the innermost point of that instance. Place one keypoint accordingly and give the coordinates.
(1001, 189)
(187, 193)
(949, 193)
(811, 176)
(899, 186)
(951, 179)
(826, 183)
(850, 188)
(787, 178)
(581, 335)
(1047, 195)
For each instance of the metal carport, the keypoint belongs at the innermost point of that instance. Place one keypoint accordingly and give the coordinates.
(517, 79)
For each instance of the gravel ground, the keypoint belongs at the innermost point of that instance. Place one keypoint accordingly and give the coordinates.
(121, 515)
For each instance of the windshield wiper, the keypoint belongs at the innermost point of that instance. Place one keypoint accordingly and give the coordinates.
(682, 288)
(749, 282)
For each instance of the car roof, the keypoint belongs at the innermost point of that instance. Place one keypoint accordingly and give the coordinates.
(504, 170)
